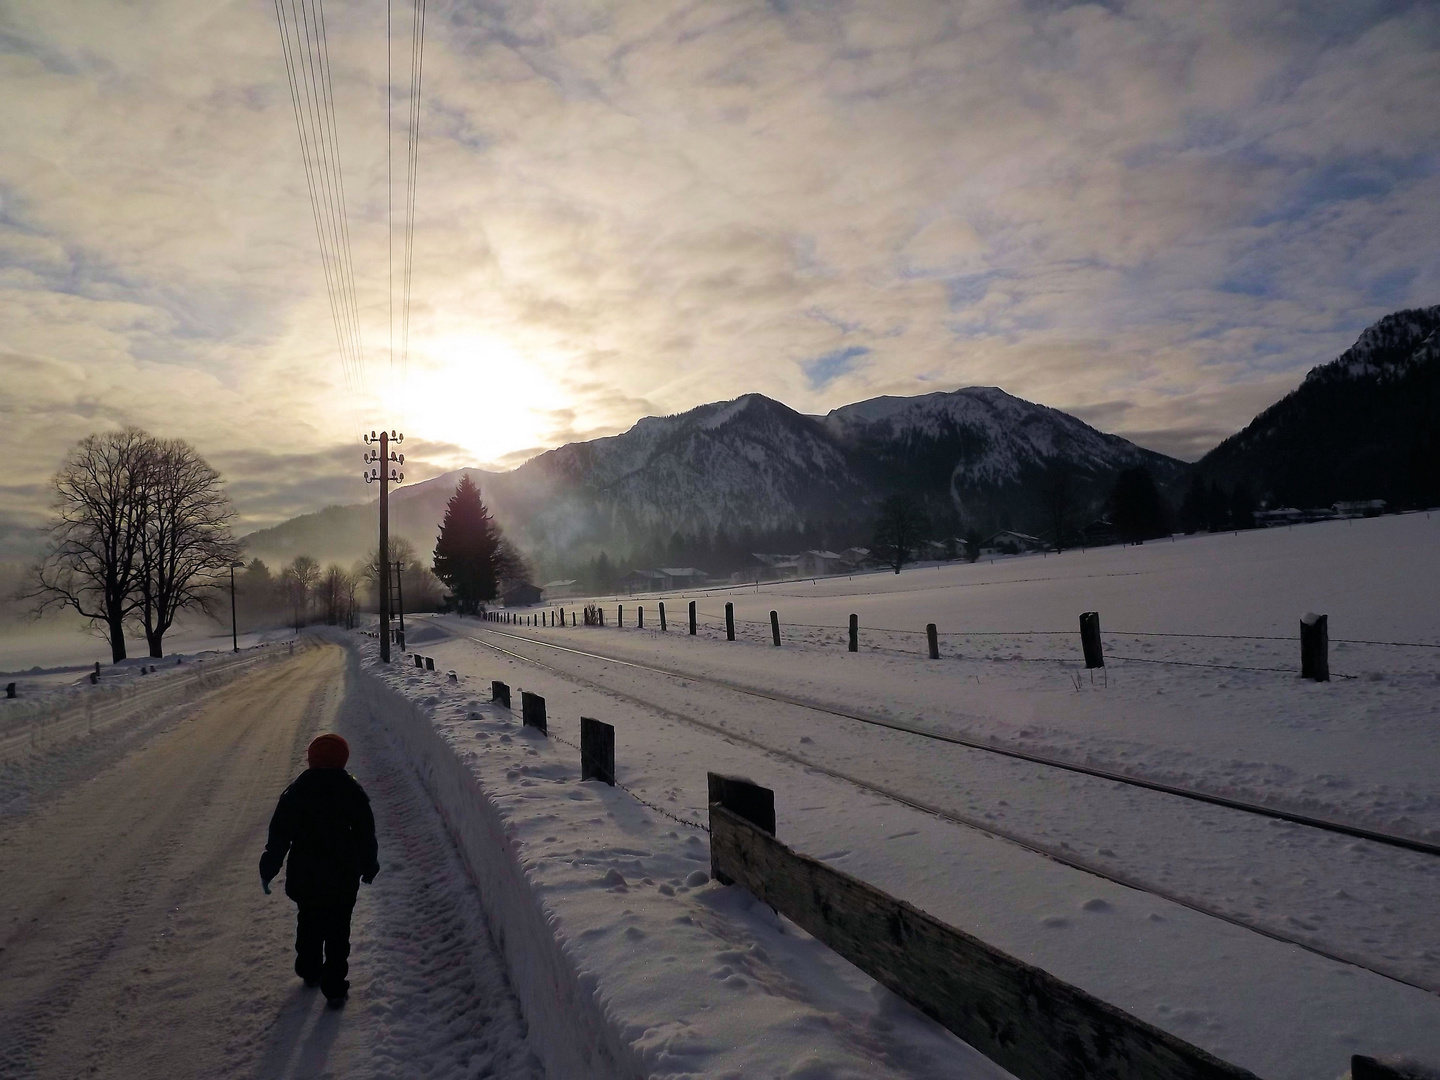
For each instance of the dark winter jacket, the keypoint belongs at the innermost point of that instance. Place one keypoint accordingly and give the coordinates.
(324, 821)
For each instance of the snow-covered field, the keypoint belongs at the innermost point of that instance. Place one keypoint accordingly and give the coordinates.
(692, 980)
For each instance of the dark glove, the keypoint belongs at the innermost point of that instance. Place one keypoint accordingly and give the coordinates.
(369, 876)
(265, 884)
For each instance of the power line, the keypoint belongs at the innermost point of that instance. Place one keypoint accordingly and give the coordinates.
(340, 184)
(417, 69)
(390, 191)
(306, 52)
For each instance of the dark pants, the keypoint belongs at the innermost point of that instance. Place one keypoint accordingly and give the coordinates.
(322, 946)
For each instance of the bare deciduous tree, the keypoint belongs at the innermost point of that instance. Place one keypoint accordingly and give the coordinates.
(92, 561)
(184, 536)
(1059, 506)
(333, 593)
(898, 529)
(298, 582)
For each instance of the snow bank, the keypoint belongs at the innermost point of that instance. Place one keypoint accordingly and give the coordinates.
(568, 1027)
(627, 960)
(50, 737)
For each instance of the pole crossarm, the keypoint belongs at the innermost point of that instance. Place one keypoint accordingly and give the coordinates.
(384, 459)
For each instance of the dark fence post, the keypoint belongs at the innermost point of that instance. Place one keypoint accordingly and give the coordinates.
(775, 628)
(619, 614)
(562, 617)
(1315, 647)
(429, 663)
(597, 751)
(419, 662)
(10, 690)
(640, 617)
(663, 627)
(752, 802)
(500, 692)
(1090, 639)
(532, 711)
(692, 618)
(932, 638)
(854, 633)
(729, 621)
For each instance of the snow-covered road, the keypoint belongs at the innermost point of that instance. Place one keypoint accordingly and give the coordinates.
(135, 940)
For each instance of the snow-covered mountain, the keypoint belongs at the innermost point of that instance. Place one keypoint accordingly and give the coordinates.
(1362, 426)
(978, 457)
(994, 456)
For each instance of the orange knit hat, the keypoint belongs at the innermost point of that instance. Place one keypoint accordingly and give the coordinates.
(328, 751)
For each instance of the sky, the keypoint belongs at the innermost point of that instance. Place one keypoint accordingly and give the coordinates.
(1154, 215)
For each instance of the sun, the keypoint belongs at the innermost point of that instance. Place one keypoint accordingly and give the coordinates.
(480, 393)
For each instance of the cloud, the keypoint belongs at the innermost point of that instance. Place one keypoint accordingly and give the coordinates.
(637, 207)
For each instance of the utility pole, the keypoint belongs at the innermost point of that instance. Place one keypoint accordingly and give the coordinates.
(386, 476)
(234, 636)
(400, 602)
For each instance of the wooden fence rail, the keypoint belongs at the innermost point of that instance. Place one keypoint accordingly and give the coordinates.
(1024, 1019)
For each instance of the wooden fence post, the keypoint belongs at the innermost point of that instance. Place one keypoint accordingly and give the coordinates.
(932, 638)
(1315, 647)
(562, 617)
(752, 802)
(663, 627)
(640, 617)
(729, 621)
(500, 692)
(532, 711)
(854, 633)
(418, 662)
(619, 614)
(692, 618)
(429, 663)
(775, 628)
(1090, 639)
(597, 751)
(10, 690)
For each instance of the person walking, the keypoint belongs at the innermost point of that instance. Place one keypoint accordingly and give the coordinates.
(324, 822)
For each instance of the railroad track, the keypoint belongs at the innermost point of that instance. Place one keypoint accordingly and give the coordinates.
(1407, 843)
(1063, 857)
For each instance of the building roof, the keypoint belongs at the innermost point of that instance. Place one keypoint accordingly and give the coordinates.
(559, 584)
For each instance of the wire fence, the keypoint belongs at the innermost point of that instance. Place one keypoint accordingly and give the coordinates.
(717, 620)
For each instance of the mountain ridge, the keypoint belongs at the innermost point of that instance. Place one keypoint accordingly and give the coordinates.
(977, 456)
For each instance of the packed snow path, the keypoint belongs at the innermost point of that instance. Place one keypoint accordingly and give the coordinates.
(135, 940)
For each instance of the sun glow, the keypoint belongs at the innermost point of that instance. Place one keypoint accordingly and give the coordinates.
(482, 394)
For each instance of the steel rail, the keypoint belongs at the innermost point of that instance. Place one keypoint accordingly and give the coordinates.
(1123, 880)
(1358, 832)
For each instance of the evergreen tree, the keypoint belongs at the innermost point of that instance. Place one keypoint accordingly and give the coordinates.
(1193, 516)
(1136, 508)
(468, 550)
